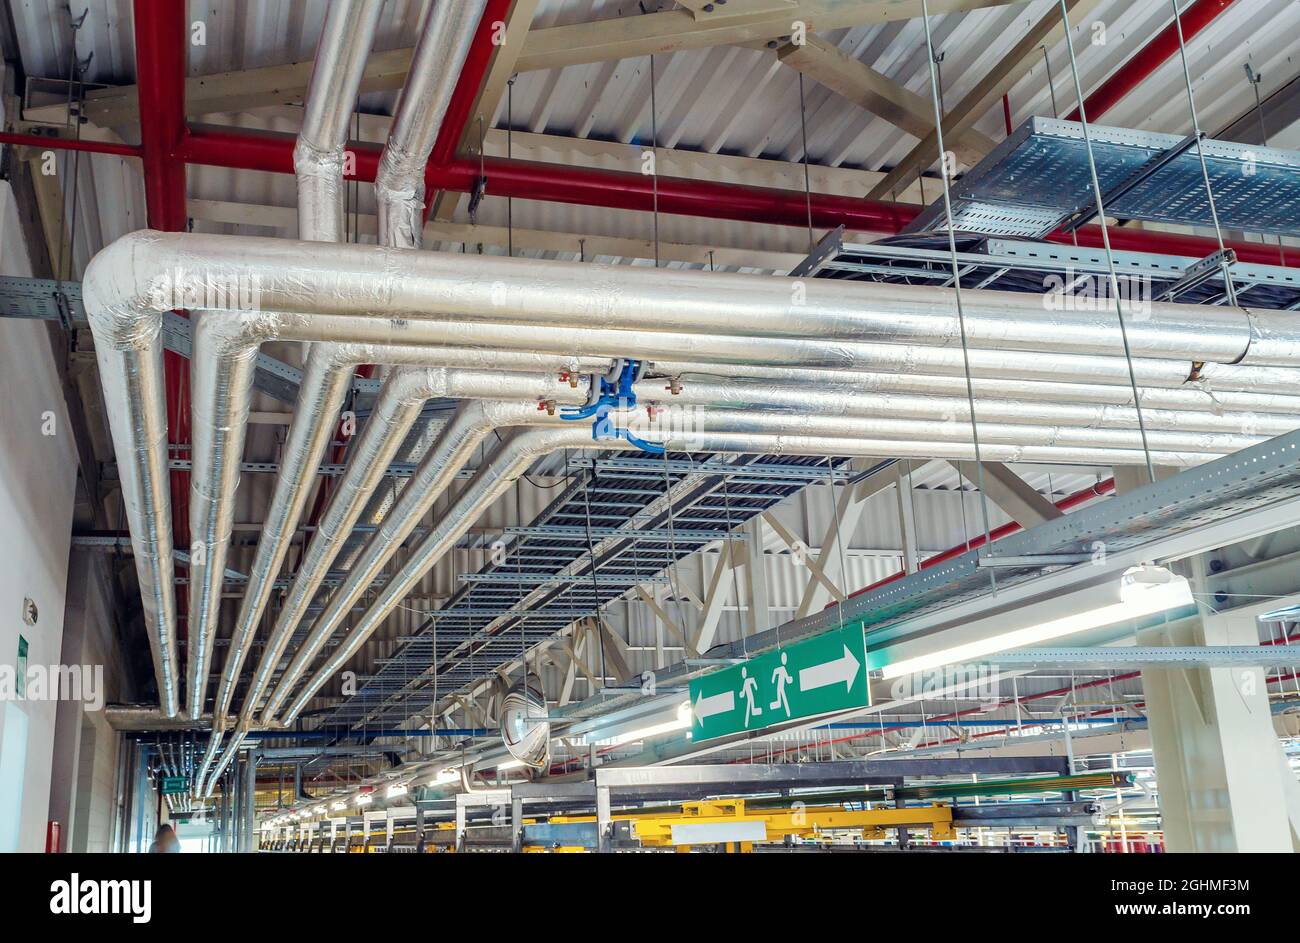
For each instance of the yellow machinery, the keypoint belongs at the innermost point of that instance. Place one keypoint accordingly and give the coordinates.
(656, 829)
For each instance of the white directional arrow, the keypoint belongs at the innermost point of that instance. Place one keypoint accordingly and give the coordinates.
(844, 668)
(706, 707)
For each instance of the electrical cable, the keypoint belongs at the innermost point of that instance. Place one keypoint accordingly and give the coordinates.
(944, 173)
(1105, 238)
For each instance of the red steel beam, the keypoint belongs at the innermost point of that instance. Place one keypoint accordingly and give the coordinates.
(1149, 58)
(529, 180)
(473, 74)
(161, 37)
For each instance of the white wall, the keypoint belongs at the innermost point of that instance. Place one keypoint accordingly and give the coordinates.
(86, 747)
(37, 490)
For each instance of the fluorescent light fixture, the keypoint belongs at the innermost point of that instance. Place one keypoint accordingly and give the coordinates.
(444, 776)
(1141, 591)
(364, 799)
(681, 721)
(339, 806)
(397, 789)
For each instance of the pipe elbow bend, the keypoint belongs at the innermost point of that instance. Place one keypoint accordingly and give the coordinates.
(122, 294)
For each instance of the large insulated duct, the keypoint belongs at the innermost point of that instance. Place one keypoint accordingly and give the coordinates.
(130, 371)
(436, 65)
(387, 295)
(418, 295)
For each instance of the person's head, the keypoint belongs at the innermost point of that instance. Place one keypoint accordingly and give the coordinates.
(165, 835)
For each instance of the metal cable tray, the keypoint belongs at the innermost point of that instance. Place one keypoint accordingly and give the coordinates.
(1038, 267)
(1038, 177)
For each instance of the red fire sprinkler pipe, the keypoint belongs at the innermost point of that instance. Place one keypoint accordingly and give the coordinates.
(161, 37)
(246, 150)
(1149, 58)
(558, 183)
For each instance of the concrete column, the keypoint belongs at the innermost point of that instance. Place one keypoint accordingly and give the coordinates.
(1224, 784)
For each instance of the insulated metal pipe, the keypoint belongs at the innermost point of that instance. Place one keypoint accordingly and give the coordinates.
(222, 396)
(131, 372)
(525, 446)
(795, 431)
(882, 416)
(400, 403)
(407, 285)
(473, 422)
(227, 346)
(1209, 394)
(835, 400)
(126, 282)
(436, 64)
(320, 151)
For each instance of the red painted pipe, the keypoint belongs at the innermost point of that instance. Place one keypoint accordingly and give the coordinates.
(1149, 58)
(531, 180)
(69, 144)
(161, 38)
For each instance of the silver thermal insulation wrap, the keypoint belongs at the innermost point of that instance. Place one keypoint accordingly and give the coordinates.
(514, 457)
(221, 382)
(436, 66)
(131, 372)
(319, 154)
(400, 403)
(473, 422)
(1184, 396)
(747, 394)
(410, 291)
(381, 295)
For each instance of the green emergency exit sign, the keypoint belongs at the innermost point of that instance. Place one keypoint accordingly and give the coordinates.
(175, 785)
(821, 675)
